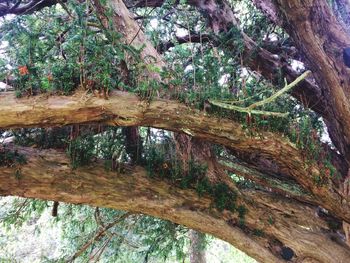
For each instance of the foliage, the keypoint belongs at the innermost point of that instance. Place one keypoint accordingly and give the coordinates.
(60, 50)
(135, 238)
(194, 177)
(10, 157)
(81, 150)
(42, 138)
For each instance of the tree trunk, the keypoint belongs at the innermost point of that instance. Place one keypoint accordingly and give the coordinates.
(197, 247)
(274, 224)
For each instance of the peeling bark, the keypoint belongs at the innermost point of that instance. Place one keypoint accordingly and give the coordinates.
(124, 109)
(47, 175)
(27, 7)
(285, 222)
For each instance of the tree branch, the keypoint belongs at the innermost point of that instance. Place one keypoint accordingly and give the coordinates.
(20, 8)
(325, 60)
(123, 109)
(47, 175)
(290, 189)
(250, 108)
(98, 236)
(193, 38)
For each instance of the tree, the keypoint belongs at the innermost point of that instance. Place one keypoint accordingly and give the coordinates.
(237, 166)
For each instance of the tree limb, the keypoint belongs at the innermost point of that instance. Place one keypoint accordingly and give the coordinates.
(250, 109)
(124, 109)
(47, 175)
(25, 8)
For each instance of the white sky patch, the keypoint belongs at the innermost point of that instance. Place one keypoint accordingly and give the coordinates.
(181, 32)
(3, 46)
(154, 23)
(325, 135)
(188, 68)
(297, 65)
(244, 72)
(224, 79)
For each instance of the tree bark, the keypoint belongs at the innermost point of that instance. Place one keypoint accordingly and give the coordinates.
(284, 222)
(124, 109)
(197, 247)
(321, 38)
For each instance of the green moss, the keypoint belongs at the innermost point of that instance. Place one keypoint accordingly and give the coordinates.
(270, 220)
(242, 210)
(224, 197)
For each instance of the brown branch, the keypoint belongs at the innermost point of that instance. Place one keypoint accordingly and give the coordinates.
(55, 209)
(324, 59)
(290, 189)
(47, 175)
(270, 10)
(123, 109)
(98, 236)
(195, 38)
(20, 8)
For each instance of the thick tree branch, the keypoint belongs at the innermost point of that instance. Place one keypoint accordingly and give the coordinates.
(123, 109)
(193, 38)
(47, 175)
(275, 184)
(270, 10)
(25, 7)
(322, 39)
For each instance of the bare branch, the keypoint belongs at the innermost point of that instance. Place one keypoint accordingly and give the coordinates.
(20, 8)
(250, 109)
(99, 235)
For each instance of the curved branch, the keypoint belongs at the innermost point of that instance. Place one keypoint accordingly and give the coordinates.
(193, 38)
(249, 109)
(47, 175)
(278, 186)
(20, 8)
(124, 109)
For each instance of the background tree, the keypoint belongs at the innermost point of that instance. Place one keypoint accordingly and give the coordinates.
(263, 169)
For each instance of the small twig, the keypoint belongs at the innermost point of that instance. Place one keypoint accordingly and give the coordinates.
(142, 23)
(21, 207)
(242, 100)
(99, 252)
(246, 110)
(65, 8)
(280, 92)
(98, 236)
(55, 209)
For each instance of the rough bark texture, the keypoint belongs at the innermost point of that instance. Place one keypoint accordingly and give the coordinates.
(27, 7)
(322, 39)
(288, 216)
(124, 109)
(284, 222)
